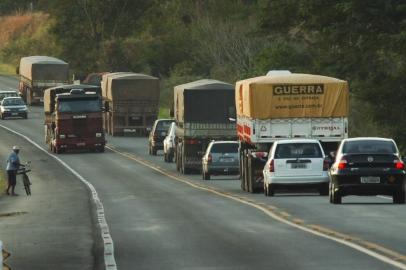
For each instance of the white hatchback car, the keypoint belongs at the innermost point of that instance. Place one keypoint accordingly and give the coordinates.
(296, 163)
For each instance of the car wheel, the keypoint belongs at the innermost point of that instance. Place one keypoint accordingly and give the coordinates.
(399, 197)
(336, 196)
(266, 190)
(271, 190)
(149, 150)
(165, 157)
(207, 176)
(153, 151)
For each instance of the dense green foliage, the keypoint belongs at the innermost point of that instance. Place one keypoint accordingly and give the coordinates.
(183, 40)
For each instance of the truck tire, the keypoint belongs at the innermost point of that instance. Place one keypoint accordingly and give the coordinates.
(335, 197)
(206, 175)
(250, 179)
(242, 170)
(177, 158)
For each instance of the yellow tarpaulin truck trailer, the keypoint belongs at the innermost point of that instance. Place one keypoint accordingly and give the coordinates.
(38, 73)
(275, 107)
(131, 102)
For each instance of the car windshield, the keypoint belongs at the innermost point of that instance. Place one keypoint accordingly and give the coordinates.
(8, 94)
(369, 147)
(12, 102)
(298, 150)
(79, 105)
(163, 125)
(224, 148)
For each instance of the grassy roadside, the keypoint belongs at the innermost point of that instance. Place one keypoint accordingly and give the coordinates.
(2, 181)
(7, 69)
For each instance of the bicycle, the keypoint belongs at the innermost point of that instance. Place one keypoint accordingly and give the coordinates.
(23, 170)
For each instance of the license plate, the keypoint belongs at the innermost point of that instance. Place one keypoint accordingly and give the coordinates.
(298, 166)
(370, 179)
(81, 144)
(14, 113)
(226, 160)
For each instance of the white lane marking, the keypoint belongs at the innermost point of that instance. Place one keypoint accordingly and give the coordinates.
(269, 213)
(109, 259)
(384, 197)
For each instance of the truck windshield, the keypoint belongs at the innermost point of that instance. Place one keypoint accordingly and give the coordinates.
(369, 147)
(298, 150)
(79, 105)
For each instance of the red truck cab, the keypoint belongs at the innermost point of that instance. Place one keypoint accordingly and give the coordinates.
(73, 118)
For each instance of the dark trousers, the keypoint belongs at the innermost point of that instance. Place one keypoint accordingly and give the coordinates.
(12, 178)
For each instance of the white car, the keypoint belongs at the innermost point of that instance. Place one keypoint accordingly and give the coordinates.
(13, 107)
(8, 93)
(169, 143)
(296, 163)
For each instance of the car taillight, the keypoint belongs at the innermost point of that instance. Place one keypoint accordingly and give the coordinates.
(326, 165)
(209, 158)
(342, 164)
(272, 166)
(399, 165)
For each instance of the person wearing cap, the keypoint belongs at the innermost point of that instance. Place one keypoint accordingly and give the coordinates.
(13, 163)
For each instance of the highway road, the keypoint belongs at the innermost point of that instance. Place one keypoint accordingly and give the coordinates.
(159, 219)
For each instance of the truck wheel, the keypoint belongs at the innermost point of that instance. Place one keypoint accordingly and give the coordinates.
(100, 149)
(250, 179)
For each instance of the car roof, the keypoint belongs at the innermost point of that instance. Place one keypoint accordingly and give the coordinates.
(368, 139)
(11, 98)
(297, 141)
(223, 142)
(8, 91)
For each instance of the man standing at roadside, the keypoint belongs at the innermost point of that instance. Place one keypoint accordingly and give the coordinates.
(13, 163)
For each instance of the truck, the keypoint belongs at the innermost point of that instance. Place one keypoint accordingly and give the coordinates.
(131, 102)
(204, 111)
(74, 118)
(284, 106)
(38, 73)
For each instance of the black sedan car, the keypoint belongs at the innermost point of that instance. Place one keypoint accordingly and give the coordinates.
(367, 166)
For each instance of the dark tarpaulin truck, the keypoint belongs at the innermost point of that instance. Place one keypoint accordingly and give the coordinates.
(73, 118)
(203, 110)
(38, 73)
(131, 102)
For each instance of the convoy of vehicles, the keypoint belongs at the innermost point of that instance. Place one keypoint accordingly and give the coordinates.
(130, 101)
(203, 110)
(296, 163)
(169, 143)
(38, 73)
(13, 107)
(158, 134)
(275, 107)
(221, 157)
(368, 166)
(285, 123)
(73, 118)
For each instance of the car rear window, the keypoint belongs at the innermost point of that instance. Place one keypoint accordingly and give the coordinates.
(224, 148)
(369, 147)
(163, 125)
(8, 94)
(298, 150)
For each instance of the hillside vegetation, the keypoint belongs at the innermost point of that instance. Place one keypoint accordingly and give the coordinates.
(183, 40)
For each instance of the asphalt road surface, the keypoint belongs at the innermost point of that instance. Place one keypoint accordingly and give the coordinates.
(159, 219)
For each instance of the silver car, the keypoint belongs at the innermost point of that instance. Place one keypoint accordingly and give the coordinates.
(221, 157)
(169, 143)
(296, 163)
(13, 107)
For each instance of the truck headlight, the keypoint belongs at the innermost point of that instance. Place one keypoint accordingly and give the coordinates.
(98, 134)
(62, 136)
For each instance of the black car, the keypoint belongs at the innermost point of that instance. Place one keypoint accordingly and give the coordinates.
(367, 166)
(158, 134)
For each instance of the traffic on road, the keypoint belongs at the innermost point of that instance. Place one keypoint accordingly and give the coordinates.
(284, 135)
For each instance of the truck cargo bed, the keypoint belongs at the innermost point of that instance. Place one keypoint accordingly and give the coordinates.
(268, 131)
(209, 130)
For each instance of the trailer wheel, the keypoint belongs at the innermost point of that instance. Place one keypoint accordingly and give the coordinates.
(242, 170)
(250, 183)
